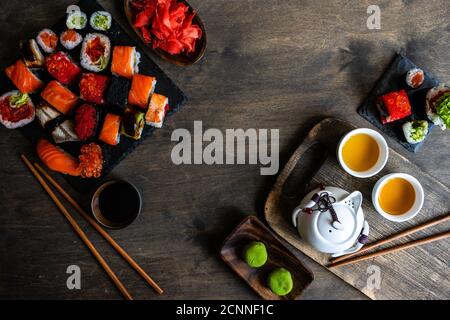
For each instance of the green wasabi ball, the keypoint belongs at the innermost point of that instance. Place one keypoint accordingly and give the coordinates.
(255, 254)
(280, 282)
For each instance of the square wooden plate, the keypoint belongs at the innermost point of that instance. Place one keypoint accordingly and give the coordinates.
(252, 229)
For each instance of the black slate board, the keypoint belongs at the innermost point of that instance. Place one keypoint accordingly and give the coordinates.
(112, 154)
(392, 80)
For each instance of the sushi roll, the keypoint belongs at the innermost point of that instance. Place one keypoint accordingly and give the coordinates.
(61, 67)
(142, 87)
(437, 106)
(59, 97)
(132, 123)
(110, 132)
(415, 78)
(31, 54)
(47, 116)
(156, 112)
(23, 78)
(48, 40)
(125, 61)
(86, 121)
(415, 131)
(394, 106)
(118, 89)
(101, 20)
(95, 52)
(16, 109)
(76, 20)
(93, 87)
(70, 39)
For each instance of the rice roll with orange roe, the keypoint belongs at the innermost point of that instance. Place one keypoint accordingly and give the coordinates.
(142, 87)
(70, 39)
(125, 61)
(95, 52)
(48, 40)
(110, 132)
(23, 78)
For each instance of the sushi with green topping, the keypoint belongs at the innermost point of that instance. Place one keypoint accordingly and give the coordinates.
(132, 123)
(101, 20)
(76, 20)
(415, 131)
(95, 52)
(438, 106)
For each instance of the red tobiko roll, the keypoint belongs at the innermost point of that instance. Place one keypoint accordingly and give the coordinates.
(167, 24)
(62, 68)
(93, 87)
(86, 121)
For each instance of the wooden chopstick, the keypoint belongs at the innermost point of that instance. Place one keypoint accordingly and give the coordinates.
(396, 236)
(100, 230)
(78, 230)
(404, 246)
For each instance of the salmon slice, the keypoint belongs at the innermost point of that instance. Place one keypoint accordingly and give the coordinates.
(142, 87)
(61, 98)
(25, 80)
(110, 130)
(122, 61)
(56, 159)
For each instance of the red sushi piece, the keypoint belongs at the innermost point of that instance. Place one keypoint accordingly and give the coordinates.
(62, 68)
(86, 121)
(394, 106)
(93, 87)
(22, 77)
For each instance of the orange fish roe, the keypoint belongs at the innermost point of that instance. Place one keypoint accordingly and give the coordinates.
(91, 161)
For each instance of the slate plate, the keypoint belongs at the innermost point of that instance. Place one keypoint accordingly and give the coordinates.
(112, 154)
(394, 79)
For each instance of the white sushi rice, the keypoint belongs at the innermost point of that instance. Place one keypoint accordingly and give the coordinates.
(44, 47)
(429, 108)
(21, 123)
(69, 45)
(157, 106)
(76, 20)
(103, 15)
(136, 60)
(86, 61)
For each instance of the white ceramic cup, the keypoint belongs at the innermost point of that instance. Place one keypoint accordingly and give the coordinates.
(418, 202)
(382, 159)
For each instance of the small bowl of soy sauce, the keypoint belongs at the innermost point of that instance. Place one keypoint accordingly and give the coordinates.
(116, 204)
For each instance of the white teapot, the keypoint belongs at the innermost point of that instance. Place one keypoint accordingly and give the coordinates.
(332, 221)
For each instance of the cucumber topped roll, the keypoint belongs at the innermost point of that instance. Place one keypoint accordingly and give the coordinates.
(76, 20)
(101, 21)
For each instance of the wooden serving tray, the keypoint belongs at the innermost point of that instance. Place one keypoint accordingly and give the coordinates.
(252, 229)
(417, 273)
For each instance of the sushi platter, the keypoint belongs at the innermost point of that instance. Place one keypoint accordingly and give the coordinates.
(404, 103)
(85, 95)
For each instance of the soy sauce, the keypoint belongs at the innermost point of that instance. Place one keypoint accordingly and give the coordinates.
(119, 202)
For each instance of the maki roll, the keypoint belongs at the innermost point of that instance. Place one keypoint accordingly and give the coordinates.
(58, 96)
(156, 112)
(415, 78)
(16, 109)
(61, 67)
(93, 87)
(132, 123)
(125, 61)
(437, 106)
(95, 52)
(142, 87)
(48, 40)
(118, 89)
(415, 131)
(76, 20)
(47, 116)
(394, 106)
(110, 131)
(23, 78)
(70, 39)
(86, 121)
(31, 54)
(101, 20)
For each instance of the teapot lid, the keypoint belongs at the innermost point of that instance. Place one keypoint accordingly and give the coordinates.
(340, 231)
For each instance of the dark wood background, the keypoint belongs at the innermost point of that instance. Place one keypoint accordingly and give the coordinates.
(269, 64)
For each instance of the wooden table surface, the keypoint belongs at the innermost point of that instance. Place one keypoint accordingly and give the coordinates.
(270, 64)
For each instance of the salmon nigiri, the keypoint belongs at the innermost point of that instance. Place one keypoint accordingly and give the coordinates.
(142, 87)
(56, 159)
(22, 77)
(61, 98)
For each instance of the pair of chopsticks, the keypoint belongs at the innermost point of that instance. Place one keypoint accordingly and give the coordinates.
(356, 257)
(37, 170)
